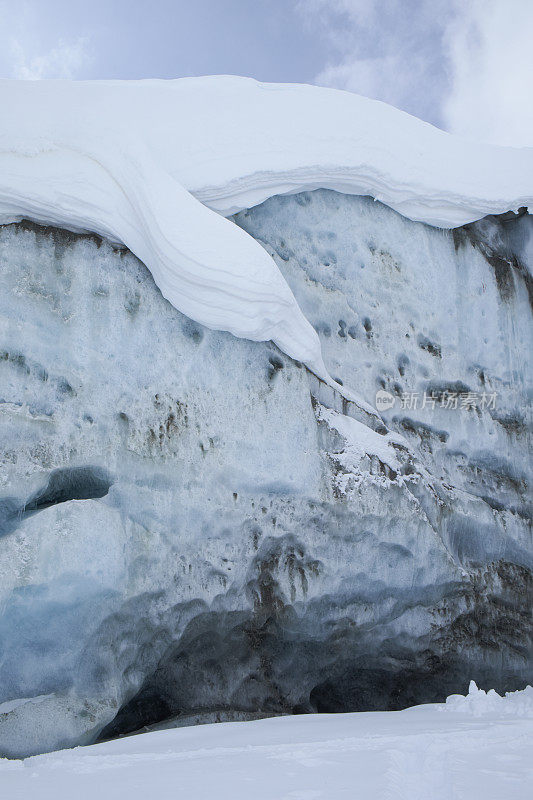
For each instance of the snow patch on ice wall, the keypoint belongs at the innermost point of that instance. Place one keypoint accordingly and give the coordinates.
(131, 160)
(480, 703)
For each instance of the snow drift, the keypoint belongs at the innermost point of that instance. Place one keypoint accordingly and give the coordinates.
(416, 753)
(131, 160)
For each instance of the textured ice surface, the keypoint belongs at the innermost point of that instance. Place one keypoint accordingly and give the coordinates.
(186, 532)
(127, 160)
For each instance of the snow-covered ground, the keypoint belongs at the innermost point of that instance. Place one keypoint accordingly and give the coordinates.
(480, 746)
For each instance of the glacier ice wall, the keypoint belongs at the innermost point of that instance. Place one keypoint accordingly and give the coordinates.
(188, 531)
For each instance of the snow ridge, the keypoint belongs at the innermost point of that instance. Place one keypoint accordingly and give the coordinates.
(149, 163)
(480, 703)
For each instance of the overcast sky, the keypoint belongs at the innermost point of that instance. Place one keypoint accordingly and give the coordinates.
(464, 65)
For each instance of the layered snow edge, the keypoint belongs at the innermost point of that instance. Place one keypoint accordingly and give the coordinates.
(156, 165)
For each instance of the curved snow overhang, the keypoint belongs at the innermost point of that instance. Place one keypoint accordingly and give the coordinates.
(156, 165)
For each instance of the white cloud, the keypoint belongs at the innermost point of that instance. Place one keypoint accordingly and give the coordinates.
(65, 60)
(30, 47)
(465, 65)
(390, 50)
(491, 52)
